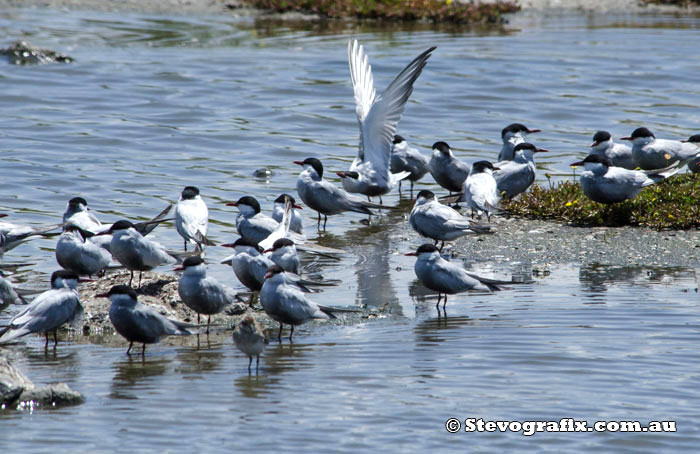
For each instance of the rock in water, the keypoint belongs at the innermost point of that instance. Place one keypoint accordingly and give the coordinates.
(23, 53)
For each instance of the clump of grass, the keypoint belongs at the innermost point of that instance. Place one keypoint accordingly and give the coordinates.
(671, 204)
(400, 10)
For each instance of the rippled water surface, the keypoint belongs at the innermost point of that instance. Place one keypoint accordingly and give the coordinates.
(155, 103)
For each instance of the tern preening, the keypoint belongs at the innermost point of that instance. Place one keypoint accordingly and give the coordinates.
(481, 189)
(48, 311)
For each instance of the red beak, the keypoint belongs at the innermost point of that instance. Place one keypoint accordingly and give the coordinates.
(594, 144)
(411, 254)
(298, 207)
(299, 163)
(340, 174)
(3, 215)
(178, 268)
(577, 163)
(626, 138)
(532, 131)
(227, 245)
(232, 204)
(268, 275)
(541, 150)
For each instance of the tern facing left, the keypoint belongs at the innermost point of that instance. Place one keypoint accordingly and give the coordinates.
(378, 117)
(619, 154)
(480, 189)
(604, 183)
(136, 252)
(137, 322)
(284, 254)
(445, 277)
(436, 221)
(286, 303)
(651, 153)
(49, 310)
(192, 218)
(201, 293)
(76, 252)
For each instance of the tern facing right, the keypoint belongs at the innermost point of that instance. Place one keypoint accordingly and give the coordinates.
(436, 221)
(514, 177)
(201, 293)
(137, 322)
(249, 338)
(445, 277)
(512, 135)
(323, 196)
(447, 170)
(378, 117)
(286, 303)
(49, 310)
(604, 183)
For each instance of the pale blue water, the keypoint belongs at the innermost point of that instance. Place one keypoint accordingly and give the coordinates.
(156, 103)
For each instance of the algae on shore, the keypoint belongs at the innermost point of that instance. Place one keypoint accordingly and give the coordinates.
(671, 204)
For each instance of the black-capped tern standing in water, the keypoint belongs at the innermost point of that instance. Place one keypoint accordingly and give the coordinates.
(694, 164)
(75, 251)
(604, 183)
(323, 196)
(12, 235)
(480, 189)
(286, 303)
(192, 218)
(249, 337)
(445, 277)
(407, 159)
(512, 135)
(296, 224)
(618, 154)
(436, 221)
(447, 170)
(514, 177)
(136, 252)
(248, 263)
(651, 153)
(378, 117)
(137, 322)
(284, 253)
(48, 311)
(201, 293)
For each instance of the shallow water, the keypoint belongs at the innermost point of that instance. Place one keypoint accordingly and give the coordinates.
(154, 103)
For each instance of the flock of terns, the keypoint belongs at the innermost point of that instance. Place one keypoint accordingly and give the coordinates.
(265, 257)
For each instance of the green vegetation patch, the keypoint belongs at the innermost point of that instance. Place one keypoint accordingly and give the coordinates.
(400, 10)
(671, 204)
